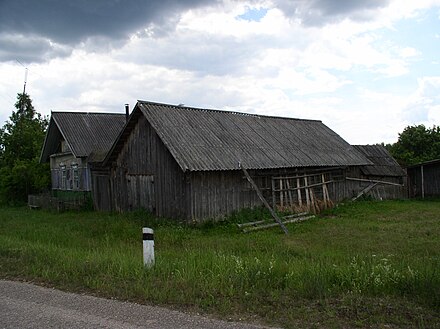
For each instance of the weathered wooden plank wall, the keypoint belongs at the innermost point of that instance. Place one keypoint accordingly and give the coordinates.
(101, 190)
(215, 194)
(429, 186)
(145, 175)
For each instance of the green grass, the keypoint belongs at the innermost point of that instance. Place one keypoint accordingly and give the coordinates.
(359, 265)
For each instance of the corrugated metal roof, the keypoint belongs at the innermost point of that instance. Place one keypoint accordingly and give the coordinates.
(87, 134)
(383, 163)
(201, 139)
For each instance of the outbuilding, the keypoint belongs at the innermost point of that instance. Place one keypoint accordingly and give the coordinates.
(424, 179)
(187, 163)
(384, 178)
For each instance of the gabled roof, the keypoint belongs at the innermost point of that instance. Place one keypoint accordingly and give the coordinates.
(383, 163)
(201, 139)
(85, 133)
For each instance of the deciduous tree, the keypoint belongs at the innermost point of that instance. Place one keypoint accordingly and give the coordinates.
(417, 144)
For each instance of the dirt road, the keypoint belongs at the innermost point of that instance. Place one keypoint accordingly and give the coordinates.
(26, 306)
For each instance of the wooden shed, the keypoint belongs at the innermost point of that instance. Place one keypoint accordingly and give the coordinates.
(424, 179)
(75, 140)
(185, 163)
(384, 178)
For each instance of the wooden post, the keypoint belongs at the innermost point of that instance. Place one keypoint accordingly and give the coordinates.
(307, 193)
(260, 195)
(289, 192)
(274, 197)
(281, 194)
(312, 200)
(325, 196)
(298, 185)
(423, 181)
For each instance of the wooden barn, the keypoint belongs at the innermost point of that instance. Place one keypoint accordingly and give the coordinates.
(186, 163)
(384, 178)
(424, 179)
(75, 140)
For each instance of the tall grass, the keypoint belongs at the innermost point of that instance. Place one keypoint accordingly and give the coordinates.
(358, 254)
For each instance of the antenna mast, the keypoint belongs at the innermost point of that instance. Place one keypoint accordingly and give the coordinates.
(25, 80)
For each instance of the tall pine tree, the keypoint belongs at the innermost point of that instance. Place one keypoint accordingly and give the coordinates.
(21, 139)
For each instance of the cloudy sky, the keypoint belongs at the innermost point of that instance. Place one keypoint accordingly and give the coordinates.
(366, 68)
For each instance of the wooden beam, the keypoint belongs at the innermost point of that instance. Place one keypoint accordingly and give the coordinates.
(302, 214)
(260, 195)
(304, 187)
(372, 181)
(261, 227)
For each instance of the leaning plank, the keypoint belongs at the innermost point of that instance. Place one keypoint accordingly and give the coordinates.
(260, 195)
(240, 225)
(365, 190)
(372, 181)
(295, 215)
(262, 227)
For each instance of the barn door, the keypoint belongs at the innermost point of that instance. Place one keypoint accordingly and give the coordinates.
(140, 190)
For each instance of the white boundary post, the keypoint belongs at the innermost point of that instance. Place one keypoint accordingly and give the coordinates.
(148, 246)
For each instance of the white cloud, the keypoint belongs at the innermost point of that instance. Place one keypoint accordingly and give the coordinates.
(340, 72)
(424, 104)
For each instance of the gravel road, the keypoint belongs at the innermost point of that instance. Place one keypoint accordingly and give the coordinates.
(23, 305)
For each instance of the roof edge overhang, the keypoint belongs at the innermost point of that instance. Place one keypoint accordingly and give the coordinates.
(44, 155)
(304, 167)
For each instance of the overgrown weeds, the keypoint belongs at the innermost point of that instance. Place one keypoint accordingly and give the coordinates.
(335, 270)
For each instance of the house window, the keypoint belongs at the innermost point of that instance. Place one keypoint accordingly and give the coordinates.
(63, 177)
(69, 179)
(75, 173)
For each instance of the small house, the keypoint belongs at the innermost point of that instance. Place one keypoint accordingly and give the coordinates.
(75, 140)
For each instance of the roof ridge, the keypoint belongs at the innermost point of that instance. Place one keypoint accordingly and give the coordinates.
(84, 112)
(225, 111)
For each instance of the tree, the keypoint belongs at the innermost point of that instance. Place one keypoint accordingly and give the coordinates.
(416, 144)
(21, 139)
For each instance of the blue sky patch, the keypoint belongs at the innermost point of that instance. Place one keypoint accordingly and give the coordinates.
(253, 14)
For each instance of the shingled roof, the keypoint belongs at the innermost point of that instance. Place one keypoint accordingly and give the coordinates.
(202, 139)
(87, 134)
(383, 163)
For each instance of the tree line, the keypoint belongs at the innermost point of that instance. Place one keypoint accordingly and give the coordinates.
(22, 138)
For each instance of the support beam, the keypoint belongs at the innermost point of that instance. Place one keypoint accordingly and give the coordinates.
(260, 195)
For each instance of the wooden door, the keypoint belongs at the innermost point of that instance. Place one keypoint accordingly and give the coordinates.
(140, 190)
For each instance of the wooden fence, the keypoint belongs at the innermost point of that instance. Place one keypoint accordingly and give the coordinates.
(303, 193)
(47, 201)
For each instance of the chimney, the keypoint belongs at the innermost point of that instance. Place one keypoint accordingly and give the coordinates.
(127, 112)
